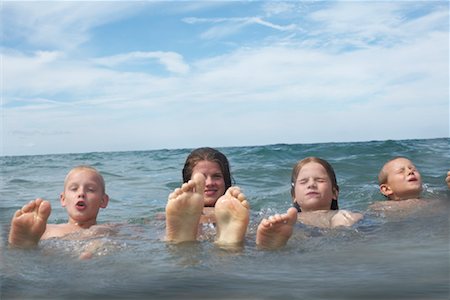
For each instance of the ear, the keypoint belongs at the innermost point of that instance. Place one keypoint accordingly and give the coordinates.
(294, 200)
(386, 190)
(104, 202)
(62, 199)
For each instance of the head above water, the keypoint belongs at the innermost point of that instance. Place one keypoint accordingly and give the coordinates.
(207, 154)
(84, 195)
(399, 179)
(331, 176)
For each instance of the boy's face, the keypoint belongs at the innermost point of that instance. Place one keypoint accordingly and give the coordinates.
(313, 188)
(215, 182)
(83, 196)
(403, 180)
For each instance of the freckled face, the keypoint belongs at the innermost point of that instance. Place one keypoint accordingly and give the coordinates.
(313, 188)
(215, 182)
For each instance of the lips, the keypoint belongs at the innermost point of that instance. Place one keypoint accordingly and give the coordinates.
(312, 194)
(80, 205)
(210, 192)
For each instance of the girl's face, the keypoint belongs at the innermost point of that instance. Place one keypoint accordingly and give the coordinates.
(215, 183)
(313, 188)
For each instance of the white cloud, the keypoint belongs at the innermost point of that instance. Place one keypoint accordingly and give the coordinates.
(171, 60)
(260, 21)
(60, 24)
(229, 26)
(302, 93)
(282, 92)
(279, 7)
(380, 23)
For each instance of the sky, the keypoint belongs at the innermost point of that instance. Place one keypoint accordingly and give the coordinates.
(95, 76)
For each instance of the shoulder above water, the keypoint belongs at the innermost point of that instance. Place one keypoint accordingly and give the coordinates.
(329, 218)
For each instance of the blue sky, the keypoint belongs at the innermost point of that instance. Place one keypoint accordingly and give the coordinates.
(128, 75)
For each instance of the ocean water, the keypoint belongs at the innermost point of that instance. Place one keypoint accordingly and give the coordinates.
(380, 257)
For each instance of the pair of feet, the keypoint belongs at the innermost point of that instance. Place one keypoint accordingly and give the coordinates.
(232, 212)
(184, 210)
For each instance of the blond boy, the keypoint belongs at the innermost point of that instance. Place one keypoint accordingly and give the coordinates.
(83, 196)
(401, 183)
(399, 179)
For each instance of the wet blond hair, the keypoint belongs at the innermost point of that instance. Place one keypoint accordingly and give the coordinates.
(89, 168)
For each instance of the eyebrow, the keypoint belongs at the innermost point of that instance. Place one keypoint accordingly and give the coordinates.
(314, 177)
(89, 183)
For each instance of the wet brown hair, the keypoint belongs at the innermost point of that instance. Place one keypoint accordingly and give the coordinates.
(209, 154)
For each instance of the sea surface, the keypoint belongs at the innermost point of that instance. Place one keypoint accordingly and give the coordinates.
(379, 258)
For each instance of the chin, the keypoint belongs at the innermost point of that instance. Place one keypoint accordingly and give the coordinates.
(210, 203)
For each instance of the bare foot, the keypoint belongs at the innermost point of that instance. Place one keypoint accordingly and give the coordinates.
(275, 231)
(183, 210)
(29, 223)
(232, 213)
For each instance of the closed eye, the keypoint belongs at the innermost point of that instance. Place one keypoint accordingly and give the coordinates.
(73, 188)
(92, 189)
(400, 170)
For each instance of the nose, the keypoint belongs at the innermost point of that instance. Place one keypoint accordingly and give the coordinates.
(81, 193)
(208, 180)
(311, 183)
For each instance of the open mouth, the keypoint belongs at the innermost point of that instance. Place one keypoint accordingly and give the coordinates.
(80, 204)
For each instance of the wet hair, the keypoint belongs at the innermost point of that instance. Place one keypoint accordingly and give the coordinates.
(330, 172)
(86, 167)
(208, 154)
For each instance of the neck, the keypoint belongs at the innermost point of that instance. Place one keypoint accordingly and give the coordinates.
(412, 196)
(316, 211)
(84, 225)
